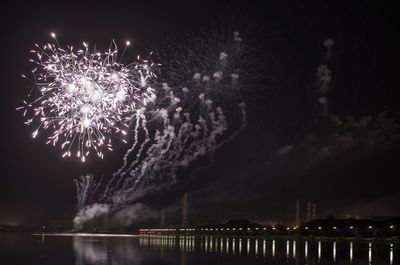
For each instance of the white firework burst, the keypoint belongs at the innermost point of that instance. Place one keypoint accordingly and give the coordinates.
(86, 97)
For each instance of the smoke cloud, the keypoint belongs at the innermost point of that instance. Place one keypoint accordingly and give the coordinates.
(88, 213)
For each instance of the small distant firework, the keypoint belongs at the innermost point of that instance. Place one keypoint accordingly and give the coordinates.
(85, 97)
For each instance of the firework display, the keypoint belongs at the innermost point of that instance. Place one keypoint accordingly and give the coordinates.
(85, 98)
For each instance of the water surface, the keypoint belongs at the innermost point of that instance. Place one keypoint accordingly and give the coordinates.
(88, 249)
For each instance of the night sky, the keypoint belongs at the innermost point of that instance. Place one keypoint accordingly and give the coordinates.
(289, 151)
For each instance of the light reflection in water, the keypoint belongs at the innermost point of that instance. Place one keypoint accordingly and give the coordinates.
(92, 250)
(319, 251)
(264, 248)
(306, 250)
(370, 253)
(334, 251)
(88, 252)
(294, 249)
(287, 249)
(351, 252)
(273, 248)
(391, 254)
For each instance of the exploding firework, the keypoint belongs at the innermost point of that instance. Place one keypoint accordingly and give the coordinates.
(86, 97)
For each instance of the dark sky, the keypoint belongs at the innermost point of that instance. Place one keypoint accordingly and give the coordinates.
(345, 169)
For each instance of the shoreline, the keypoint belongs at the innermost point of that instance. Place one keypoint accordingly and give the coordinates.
(272, 237)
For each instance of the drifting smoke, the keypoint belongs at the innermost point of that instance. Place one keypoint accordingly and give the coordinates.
(328, 43)
(324, 78)
(285, 150)
(88, 213)
(322, 89)
(136, 211)
(198, 108)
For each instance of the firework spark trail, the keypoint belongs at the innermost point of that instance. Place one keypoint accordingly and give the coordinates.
(169, 152)
(86, 97)
(119, 176)
(83, 187)
(160, 157)
(171, 147)
(199, 110)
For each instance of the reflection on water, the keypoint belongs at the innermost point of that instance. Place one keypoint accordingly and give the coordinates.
(391, 254)
(287, 251)
(351, 252)
(294, 248)
(306, 250)
(190, 250)
(334, 251)
(264, 248)
(319, 251)
(273, 248)
(93, 250)
(370, 253)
